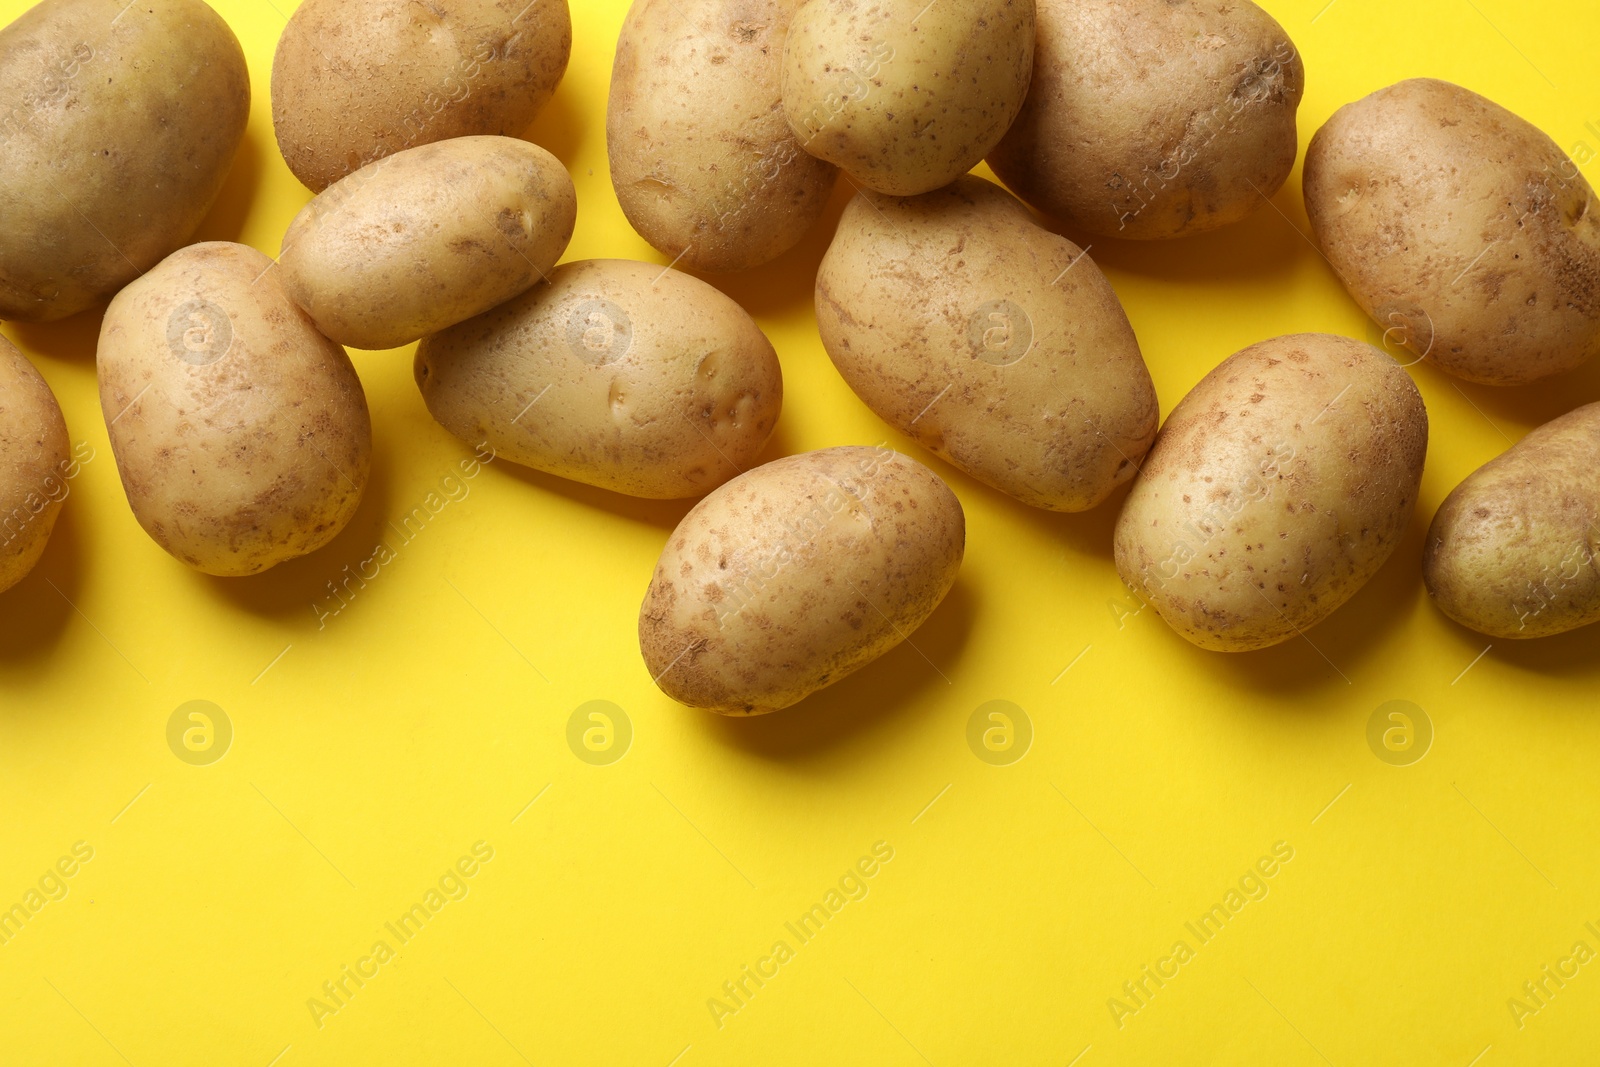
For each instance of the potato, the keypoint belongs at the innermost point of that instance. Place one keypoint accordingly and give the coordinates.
(1461, 229)
(356, 80)
(994, 343)
(1275, 490)
(241, 433)
(905, 95)
(427, 238)
(702, 160)
(618, 374)
(34, 465)
(796, 574)
(1151, 119)
(1512, 551)
(119, 125)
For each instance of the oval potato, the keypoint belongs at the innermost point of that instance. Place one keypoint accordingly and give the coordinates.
(34, 465)
(796, 574)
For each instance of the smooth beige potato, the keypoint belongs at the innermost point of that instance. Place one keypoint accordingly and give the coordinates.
(796, 574)
(34, 465)
(1152, 119)
(702, 160)
(905, 95)
(997, 345)
(1512, 550)
(617, 374)
(241, 433)
(356, 80)
(1461, 229)
(119, 125)
(1276, 489)
(427, 238)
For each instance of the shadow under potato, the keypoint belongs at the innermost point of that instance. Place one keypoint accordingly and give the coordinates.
(33, 615)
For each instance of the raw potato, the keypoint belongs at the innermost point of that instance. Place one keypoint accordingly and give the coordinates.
(1512, 551)
(119, 126)
(1461, 229)
(701, 158)
(241, 433)
(34, 465)
(994, 343)
(427, 238)
(796, 574)
(356, 80)
(905, 95)
(618, 374)
(1275, 490)
(1152, 119)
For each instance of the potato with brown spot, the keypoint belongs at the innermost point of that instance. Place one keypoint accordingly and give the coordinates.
(1276, 489)
(796, 574)
(34, 465)
(240, 432)
(1461, 229)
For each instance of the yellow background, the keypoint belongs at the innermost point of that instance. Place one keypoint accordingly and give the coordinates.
(370, 755)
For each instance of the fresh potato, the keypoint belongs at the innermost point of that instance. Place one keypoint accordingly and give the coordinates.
(119, 125)
(1461, 229)
(356, 80)
(796, 574)
(994, 343)
(427, 238)
(241, 433)
(618, 374)
(1512, 551)
(34, 465)
(702, 160)
(1152, 119)
(1275, 490)
(905, 95)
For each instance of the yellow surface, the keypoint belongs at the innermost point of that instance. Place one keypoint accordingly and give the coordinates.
(369, 755)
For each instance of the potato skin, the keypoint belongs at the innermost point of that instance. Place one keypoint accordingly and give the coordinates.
(617, 374)
(356, 80)
(1276, 489)
(904, 95)
(1511, 552)
(701, 157)
(34, 465)
(1461, 229)
(119, 126)
(240, 432)
(427, 238)
(1153, 119)
(1018, 364)
(796, 574)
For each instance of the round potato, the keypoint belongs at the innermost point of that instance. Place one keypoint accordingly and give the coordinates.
(1152, 119)
(119, 125)
(356, 80)
(797, 574)
(34, 465)
(618, 374)
(1512, 551)
(241, 433)
(1461, 229)
(994, 343)
(428, 237)
(1276, 489)
(702, 160)
(905, 95)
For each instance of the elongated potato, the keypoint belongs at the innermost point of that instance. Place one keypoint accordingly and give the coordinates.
(427, 238)
(796, 574)
(994, 343)
(34, 465)
(118, 126)
(241, 433)
(618, 374)
(1512, 551)
(1276, 489)
(702, 160)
